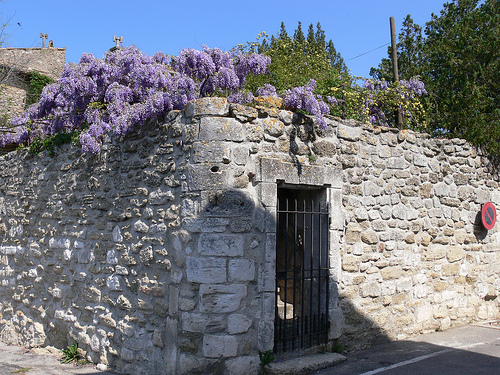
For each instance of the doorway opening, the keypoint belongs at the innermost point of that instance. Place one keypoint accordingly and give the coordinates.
(302, 269)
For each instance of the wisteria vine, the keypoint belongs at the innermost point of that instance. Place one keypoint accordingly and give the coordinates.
(119, 93)
(125, 89)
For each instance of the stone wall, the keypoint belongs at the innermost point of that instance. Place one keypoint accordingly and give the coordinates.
(158, 255)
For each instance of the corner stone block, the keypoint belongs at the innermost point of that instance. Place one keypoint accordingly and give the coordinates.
(221, 298)
(241, 270)
(266, 336)
(220, 244)
(238, 323)
(207, 106)
(210, 152)
(203, 323)
(242, 365)
(206, 270)
(267, 280)
(208, 177)
(220, 346)
(221, 129)
(268, 194)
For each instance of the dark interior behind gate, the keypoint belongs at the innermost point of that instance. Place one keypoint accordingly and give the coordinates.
(302, 289)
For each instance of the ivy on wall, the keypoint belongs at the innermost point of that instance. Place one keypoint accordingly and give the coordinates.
(37, 82)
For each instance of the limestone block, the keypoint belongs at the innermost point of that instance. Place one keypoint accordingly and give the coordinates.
(242, 365)
(203, 323)
(221, 129)
(238, 323)
(207, 106)
(210, 152)
(273, 126)
(91, 294)
(389, 273)
(266, 277)
(160, 197)
(351, 263)
(423, 313)
(274, 169)
(348, 133)
(396, 163)
(243, 112)
(369, 237)
(141, 227)
(123, 303)
(206, 270)
(221, 298)
(371, 289)
(220, 346)
(436, 251)
(241, 270)
(127, 355)
(220, 244)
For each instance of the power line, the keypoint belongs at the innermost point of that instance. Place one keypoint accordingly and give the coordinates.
(355, 57)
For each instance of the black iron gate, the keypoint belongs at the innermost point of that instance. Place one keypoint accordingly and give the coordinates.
(302, 275)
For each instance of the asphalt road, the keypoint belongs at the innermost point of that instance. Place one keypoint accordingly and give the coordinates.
(469, 350)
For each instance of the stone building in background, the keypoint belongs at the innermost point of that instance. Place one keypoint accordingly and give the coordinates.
(16, 64)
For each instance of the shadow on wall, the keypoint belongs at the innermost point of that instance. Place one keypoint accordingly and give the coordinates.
(296, 330)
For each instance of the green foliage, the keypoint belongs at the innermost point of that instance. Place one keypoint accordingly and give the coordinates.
(70, 354)
(362, 104)
(37, 82)
(52, 142)
(298, 59)
(459, 62)
(410, 54)
(462, 54)
(266, 357)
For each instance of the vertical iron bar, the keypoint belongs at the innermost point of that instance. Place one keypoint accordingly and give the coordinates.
(320, 254)
(287, 202)
(294, 270)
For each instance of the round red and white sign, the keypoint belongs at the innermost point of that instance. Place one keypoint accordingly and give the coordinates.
(488, 215)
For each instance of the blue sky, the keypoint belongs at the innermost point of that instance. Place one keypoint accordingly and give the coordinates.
(355, 26)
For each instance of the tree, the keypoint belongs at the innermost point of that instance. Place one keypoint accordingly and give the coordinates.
(298, 59)
(462, 55)
(409, 52)
(459, 62)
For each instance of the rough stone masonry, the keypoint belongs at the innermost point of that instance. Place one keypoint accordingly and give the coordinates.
(158, 255)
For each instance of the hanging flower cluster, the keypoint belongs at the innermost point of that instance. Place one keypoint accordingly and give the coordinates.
(303, 99)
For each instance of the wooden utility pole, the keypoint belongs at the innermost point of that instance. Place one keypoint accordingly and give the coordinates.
(395, 75)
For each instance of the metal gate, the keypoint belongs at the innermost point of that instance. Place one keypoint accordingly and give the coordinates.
(302, 275)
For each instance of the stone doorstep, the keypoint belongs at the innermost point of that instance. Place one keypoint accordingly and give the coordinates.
(304, 365)
(495, 324)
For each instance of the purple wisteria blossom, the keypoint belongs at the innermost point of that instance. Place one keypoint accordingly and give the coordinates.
(125, 89)
(266, 90)
(303, 99)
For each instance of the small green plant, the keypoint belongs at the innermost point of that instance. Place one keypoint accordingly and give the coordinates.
(21, 371)
(337, 347)
(312, 158)
(52, 142)
(70, 354)
(266, 357)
